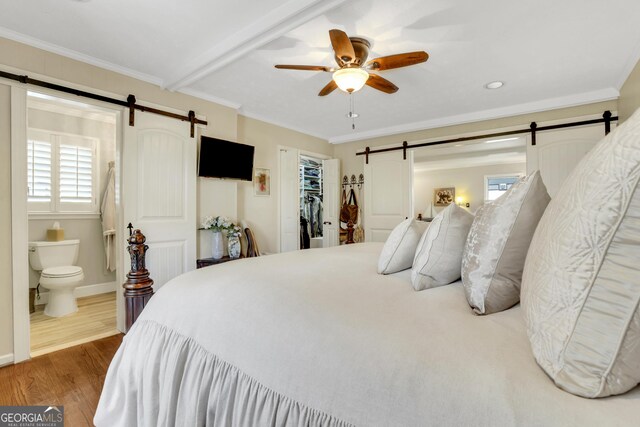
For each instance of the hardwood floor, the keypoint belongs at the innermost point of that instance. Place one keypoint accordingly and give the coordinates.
(72, 377)
(95, 318)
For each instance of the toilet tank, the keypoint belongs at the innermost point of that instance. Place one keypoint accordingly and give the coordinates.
(53, 254)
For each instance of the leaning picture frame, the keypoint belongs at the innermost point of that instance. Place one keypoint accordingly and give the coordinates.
(444, 196)
(261, 182)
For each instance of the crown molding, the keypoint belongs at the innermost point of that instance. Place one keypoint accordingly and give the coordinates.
(269, 120)
(69, 53)
(276, 23)
(478, 116)
(207, 97)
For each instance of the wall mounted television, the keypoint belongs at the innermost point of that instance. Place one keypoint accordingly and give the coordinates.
(225, 159)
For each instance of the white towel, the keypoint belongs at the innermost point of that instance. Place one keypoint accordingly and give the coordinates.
(108, 215)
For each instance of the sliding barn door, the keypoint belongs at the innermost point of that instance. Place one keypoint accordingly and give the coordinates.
(388, 193)
(557, 153)
(159, 193)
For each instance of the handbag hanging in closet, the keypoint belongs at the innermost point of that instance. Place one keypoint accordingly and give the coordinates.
(349, 210)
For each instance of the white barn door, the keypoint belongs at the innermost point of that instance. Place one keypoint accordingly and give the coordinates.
(388, 193)
(330, 202)
(159, 193)
(289, 200)
(557, 153)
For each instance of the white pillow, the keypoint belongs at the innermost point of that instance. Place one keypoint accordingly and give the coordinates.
(439, 253)
(397, 253)
(497, 245)
(581, 282)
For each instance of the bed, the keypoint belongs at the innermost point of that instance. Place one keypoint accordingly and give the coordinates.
(318, 338)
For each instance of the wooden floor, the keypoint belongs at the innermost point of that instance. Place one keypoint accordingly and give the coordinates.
(72, 378)
(95, 318)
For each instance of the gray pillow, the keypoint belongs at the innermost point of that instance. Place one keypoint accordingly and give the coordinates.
(439, 253)
(581, 283)
(400, 247)
(497, 245)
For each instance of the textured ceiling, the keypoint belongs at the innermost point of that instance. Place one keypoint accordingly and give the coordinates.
(550, 54)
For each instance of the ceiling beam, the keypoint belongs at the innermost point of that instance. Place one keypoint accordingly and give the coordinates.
(276, 23)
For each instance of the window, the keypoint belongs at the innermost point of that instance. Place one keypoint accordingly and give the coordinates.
(61, 173)
(496, 185)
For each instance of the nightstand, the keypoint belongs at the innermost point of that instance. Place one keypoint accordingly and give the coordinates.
(205, 262)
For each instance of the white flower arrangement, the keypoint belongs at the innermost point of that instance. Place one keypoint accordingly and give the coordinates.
(221, 224)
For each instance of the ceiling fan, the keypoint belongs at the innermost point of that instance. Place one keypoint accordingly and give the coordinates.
(353, 72)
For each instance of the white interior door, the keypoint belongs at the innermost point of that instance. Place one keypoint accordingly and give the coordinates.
(289, 200)
(557, 153)
(159, 193)
(388, 193)
(330, 202)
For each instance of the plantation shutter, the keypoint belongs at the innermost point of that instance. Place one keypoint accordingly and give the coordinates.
(39, 171)
(76, 174)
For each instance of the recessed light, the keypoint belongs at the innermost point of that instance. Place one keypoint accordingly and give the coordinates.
(494, 85)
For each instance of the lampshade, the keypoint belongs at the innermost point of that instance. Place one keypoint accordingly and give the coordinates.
(350, 79)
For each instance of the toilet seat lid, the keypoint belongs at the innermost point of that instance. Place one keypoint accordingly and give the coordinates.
(66, 271)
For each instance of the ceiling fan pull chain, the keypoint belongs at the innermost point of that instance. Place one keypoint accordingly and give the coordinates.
(351, 111)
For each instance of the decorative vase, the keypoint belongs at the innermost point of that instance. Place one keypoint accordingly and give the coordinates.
(217, 247)
(234, 246)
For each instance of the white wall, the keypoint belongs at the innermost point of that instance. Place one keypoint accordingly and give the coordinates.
(87, 230)
(468, 182)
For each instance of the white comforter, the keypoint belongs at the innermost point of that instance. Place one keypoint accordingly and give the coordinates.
(316, 337)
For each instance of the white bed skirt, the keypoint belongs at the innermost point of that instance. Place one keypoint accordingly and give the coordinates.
(204, 390)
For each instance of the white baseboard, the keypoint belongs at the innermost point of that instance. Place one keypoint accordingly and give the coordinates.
(6, 359)
(82, 291)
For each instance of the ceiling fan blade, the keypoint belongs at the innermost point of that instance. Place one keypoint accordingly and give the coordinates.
(342, 45)
(397, 61)
(381, 84)
(305, 67)
(330, 87)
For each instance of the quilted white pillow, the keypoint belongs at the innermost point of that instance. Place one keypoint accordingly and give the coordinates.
(400, 247)
(439, 253)
(581, 282)
(497, 245)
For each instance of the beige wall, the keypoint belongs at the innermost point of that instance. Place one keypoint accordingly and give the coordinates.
(468, 182)
(352, 164)
(262, 211)
(630, 95)
(6, 294)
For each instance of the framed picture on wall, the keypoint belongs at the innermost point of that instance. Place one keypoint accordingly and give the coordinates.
(261, 182)
(444, 196)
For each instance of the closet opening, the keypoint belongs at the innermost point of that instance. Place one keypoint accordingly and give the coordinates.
(311, 203)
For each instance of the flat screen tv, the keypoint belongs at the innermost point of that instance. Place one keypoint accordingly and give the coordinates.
(225, 159)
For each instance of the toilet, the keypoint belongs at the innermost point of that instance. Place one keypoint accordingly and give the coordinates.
(55, 262)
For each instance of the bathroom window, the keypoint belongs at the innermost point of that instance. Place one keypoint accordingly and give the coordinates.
(61, 173)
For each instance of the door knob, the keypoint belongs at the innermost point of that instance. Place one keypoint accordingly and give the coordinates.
(327, 222)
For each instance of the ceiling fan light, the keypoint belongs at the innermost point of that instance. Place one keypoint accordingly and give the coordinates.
(350, 79)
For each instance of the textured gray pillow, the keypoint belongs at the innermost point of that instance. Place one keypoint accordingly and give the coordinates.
(400, 247)
(497, 245)
(581, 282)
(439, 253)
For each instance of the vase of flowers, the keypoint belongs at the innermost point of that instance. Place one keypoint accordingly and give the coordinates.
(233, 241)
(219, 225)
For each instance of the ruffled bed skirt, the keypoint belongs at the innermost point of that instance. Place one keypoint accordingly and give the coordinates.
(161, 378)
